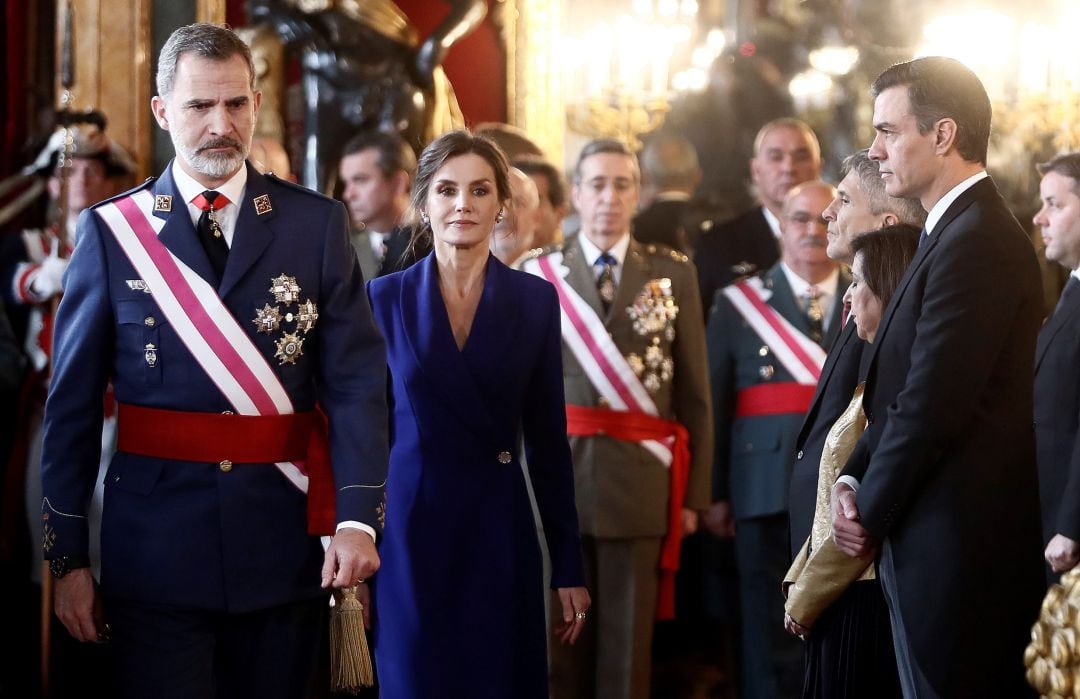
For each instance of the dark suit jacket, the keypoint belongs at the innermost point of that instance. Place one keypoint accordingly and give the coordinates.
(188, 534)
(1057, 413)
(951, 480)
(398, 255)
(622, 489)
(839, 377)
(744, 245)
(754, 455)
(676, 223)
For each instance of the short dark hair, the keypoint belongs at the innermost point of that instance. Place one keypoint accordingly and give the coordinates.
(869, 173)
(211, 41)
(450, 145)
(944, 88)
(395, 154)
(556, 181)
(1066, 164)
(606, 145)
(886, 252)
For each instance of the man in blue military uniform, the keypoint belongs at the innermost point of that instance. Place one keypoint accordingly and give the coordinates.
(765, 340)
(223, 305)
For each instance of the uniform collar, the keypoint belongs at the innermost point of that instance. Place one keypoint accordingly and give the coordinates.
(618, 250)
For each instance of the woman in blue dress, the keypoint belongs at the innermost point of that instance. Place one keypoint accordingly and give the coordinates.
(475, 360)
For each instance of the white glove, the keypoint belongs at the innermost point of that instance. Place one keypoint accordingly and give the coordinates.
(47, 281)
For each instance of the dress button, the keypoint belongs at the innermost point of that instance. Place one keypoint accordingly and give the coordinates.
(504, 457)
(799, 455)
(149, 321)
(225, 466)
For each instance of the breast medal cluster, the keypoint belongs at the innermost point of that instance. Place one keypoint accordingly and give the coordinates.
(269, 319)
(653, 313)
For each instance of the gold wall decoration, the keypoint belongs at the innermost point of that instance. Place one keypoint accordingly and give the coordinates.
(534, 68)
(210, 11)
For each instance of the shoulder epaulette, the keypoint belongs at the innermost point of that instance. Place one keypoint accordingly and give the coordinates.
(546, 250)
(145, 184)
(661, 250)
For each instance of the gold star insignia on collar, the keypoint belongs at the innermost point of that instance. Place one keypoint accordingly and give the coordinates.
(262, 204)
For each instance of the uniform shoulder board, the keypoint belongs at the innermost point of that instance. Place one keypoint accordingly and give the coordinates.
(661, 250)
(145, 184)
(546, 250)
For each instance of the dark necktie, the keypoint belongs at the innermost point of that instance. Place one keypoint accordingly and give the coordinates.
(210, 234)
(814, 314)
(605, 283)
(1070, 288)
(923, 237)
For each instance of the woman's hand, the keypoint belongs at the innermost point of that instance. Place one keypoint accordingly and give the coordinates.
(795, 628)
(575, 606)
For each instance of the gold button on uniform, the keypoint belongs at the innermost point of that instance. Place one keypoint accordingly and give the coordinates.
(504, 457)
(225, 466)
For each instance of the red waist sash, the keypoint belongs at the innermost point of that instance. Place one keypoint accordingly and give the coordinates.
(635, 427)
(242, 439)
(774, 399)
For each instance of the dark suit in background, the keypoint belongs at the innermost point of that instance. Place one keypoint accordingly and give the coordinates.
(397, 256)
(752, 469)
(674, 222)
(1057, 407)
(947, 465)
(744, 245)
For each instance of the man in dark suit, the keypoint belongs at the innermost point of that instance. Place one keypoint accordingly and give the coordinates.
(222, 304)
(944, 478)
(376, 172)
(762, 381)
(637, 305)
(860, 205)
(786, 153)
(1057, 361)
(669, 168)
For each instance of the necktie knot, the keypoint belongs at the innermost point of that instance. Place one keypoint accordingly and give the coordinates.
(211, 200)
(606, 259)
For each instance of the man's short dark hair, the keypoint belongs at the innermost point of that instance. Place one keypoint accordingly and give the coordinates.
(556, 181)
(395, 155)
(1067, 165)
(606, 145)
(944, 88)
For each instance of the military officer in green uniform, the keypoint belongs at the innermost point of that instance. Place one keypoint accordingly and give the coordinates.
(766, 338)
(639, 416)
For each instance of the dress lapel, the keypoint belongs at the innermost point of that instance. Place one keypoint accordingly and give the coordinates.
(178, 234)
(428, 332)
(253, 233)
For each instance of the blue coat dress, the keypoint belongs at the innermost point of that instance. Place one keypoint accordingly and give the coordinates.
(459, 599)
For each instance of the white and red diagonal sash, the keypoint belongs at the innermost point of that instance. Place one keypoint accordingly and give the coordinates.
(801, 356)
(206, 327)
(584, 334)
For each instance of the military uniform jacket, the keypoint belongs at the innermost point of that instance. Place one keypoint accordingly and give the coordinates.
(195, 534)
(754, 456)
(622, 489)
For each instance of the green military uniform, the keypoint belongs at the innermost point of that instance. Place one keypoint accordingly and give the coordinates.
(621, 488)
(755, 456)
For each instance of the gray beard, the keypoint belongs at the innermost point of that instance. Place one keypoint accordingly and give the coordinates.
(215, 166)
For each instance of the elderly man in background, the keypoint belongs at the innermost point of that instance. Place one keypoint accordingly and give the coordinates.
(514, 232)
(766, 339)
(786, 153)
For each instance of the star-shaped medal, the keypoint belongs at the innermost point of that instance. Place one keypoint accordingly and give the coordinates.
(267, 319)
(285, 289)
(306, 316)
(289, 347)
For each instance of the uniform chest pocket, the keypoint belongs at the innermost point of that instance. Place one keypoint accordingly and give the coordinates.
(140, 327)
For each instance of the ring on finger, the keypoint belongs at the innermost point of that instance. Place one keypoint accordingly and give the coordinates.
(580, 616)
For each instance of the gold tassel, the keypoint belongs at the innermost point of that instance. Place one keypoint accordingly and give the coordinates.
(350, 658)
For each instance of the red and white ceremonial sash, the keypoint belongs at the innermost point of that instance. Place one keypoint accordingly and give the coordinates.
(206, 327)
(801, 356)
(588, 340)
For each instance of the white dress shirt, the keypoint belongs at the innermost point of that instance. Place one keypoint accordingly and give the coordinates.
(226, 216)
(593, 253)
